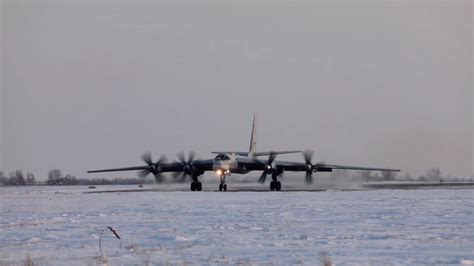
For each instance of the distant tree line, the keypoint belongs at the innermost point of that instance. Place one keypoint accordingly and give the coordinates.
(431, 175)
(17, 178)
(55, 177)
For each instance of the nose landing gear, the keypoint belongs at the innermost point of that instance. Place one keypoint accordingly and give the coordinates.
(222, 185)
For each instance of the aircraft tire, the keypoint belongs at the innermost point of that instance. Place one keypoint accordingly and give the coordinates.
(193, 186)
(278, 186)
(199, 186)
(220, 187)
(272, 186)
(224, 187)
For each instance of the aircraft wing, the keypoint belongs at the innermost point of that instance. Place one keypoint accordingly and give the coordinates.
(259, 164)
(324, 166)
(133, 168)
(204, 165)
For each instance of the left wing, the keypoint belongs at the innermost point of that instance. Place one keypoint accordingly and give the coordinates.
(322, 166)
(259, 164)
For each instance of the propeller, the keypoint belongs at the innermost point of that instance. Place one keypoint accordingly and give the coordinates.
(152, 168)
(187, 164)
(308, 156)
(268, 167)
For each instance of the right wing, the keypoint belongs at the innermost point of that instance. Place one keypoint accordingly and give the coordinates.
(203, 165)
(134, 168)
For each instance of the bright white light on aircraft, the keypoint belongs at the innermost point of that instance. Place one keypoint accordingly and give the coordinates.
(219, 172)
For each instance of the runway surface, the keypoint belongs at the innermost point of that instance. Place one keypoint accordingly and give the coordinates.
(63, 225)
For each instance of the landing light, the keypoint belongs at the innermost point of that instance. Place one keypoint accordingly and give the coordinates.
(219, 172)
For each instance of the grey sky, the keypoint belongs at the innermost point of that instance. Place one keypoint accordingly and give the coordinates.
(94, 85)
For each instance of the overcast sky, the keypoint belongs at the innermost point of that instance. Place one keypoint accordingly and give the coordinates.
(94, 85)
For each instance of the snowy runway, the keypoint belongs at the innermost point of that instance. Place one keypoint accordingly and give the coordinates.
(57, 225)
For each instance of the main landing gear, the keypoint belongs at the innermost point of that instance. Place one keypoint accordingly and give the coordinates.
(196, 185)
(275, 185)
(223, 185)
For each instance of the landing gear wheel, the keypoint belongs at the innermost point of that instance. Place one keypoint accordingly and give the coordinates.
(278, 186)
(272, 185)
(199, 186)
(193, 186)
(222, 187)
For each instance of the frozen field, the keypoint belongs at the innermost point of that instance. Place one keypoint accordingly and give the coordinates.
(61, 226)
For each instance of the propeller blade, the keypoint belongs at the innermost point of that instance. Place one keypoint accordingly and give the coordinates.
(143, 173)
(179, 176)
(191, 157)
(263, 177)
(182, 177)
(271, 158)
(309, 178)
(159, 177)
(308, 156)
(175, 175)
(146, 157)
(162, 159)
(181, 158)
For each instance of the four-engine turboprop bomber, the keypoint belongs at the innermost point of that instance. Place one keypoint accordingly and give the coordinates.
(227, 162)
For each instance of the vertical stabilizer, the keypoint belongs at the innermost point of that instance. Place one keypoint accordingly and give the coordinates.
(253, 137)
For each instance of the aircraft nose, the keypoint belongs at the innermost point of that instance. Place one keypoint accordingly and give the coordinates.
(220, 165)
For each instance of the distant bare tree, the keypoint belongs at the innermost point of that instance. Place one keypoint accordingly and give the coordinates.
(20, 177)
(3, 178)
(70, 180)
(30, 178)
(368, 175)
(389, 176)
(54, 177)
(55, 174)
(433, 174)
(16, 178)
(407, 177)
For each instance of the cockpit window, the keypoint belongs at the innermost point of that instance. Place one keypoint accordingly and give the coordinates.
(222, 157)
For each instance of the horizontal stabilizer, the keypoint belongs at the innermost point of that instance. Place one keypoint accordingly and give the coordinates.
(240, 153)
(264, 153)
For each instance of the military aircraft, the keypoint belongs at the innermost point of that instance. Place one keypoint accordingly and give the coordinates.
(226, 163)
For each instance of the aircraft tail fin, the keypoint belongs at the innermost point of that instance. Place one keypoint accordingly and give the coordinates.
(253, 137)
(253, 145)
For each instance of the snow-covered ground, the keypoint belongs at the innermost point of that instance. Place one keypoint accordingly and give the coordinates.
(62, 225)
